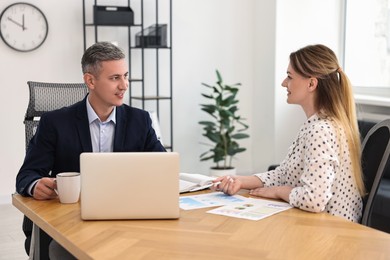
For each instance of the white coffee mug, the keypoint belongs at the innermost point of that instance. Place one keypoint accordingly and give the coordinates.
(68, 187)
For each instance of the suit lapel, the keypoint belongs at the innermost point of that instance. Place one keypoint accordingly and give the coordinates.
(83, 126)
(120, 129)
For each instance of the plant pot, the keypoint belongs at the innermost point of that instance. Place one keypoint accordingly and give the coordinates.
(217, 172)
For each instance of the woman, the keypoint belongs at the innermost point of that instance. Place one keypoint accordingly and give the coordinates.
(322, 170)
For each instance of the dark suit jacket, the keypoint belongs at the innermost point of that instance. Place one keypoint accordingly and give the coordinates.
(63, 134)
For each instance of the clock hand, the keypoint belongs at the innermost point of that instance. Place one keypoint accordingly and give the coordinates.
(15, 22)
(24, 28)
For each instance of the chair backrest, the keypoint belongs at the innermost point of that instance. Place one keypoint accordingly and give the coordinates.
(375, 156)
(47, 97)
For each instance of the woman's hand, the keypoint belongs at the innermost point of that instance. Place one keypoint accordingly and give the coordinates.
(227, 184)
(232, 184)
(276, 192)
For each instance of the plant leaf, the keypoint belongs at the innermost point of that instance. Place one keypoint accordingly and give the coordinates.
(240, 136)
(223, 131)
(218, 76)
(207, 96)
(206, 85)
(208, 123)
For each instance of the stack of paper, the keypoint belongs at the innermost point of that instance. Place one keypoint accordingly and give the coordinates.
(190, 182)
(234, 206)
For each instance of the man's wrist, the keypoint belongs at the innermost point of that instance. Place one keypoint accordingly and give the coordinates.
(32, 188)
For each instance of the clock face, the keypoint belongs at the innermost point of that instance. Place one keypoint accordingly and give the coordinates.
(23, 27)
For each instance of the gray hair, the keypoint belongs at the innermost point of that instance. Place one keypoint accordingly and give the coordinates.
(97, 53)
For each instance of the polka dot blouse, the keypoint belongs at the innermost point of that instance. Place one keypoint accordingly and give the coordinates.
(319, 168)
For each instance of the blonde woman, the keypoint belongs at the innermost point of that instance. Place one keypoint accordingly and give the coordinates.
(322, 170)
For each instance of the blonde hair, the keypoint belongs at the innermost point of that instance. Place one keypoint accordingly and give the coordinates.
(334, 97)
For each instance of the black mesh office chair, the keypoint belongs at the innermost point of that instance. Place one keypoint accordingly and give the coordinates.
(375, 157)
(46, 97)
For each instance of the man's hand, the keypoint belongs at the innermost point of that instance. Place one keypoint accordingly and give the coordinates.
(44, 189)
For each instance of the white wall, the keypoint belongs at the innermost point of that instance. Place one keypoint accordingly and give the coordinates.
(210, 35)
(247, 40)
(58, 60)
(299, 23)
(263, 93)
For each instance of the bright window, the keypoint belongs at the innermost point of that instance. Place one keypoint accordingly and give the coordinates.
(367, 47)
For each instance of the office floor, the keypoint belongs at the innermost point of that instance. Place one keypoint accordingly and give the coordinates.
(11, 234)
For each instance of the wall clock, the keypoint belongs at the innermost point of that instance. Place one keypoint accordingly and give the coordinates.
(23, 27)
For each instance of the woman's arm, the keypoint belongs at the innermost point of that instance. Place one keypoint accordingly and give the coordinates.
(276, 192)
(232, 184)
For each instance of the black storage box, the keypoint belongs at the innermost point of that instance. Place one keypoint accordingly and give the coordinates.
(153, 36)
(113, 15)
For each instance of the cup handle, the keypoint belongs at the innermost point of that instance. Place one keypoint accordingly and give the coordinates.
(55, 190)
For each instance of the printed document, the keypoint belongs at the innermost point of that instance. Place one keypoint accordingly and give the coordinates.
(208, 200)
(252, 209)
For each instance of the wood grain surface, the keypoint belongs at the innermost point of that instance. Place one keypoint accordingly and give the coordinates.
(292, 234)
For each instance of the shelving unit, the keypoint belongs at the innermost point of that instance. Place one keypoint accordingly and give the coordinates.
(150, 67)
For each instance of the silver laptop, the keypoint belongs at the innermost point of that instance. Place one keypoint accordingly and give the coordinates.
(129, 185)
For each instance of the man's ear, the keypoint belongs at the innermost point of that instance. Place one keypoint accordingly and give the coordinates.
(313, 84)
(89, 80)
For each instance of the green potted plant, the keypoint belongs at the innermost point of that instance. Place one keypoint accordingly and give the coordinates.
(226, 126)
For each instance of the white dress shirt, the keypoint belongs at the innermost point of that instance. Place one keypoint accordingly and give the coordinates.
(102, 133)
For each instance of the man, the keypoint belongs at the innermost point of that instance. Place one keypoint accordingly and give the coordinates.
(99, 123)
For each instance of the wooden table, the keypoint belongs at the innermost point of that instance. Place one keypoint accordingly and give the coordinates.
(292, 234)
